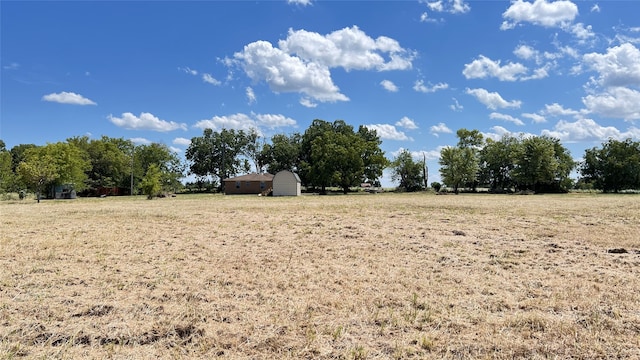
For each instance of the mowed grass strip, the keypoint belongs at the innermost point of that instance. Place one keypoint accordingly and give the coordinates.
(348, 277)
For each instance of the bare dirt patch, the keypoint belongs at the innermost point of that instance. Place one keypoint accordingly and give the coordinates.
(352, 277)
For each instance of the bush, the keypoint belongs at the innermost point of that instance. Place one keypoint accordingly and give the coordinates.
(436, 186)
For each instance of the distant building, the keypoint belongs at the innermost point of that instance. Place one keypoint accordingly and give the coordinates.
(248, 184)
(64, 191)
(286, 183)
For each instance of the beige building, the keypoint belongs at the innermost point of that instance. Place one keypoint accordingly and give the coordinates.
(248, 184)
(286, 183)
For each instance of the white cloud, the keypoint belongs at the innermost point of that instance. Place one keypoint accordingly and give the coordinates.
(285, 73)
(245, 122)
(300, 2)
(499, 132)
(181, 141)
(68, 98)
(145, 121)
(237, 121)
(535, 118)
(456, 105)
(505, 117)
(12, 66)
(424, 17)
(589, 130)
(541, 12)
(556, 109)
(620, 66)
(526, 52)
(539, 73)
(274, 120)
(140, 141)
(389, 132)
(188, 70)
(306, 102)
(441, 128)
(210, 79)
(419, 86)
(175, 149)
(389, 85)
(418, 155)
(407, 123)
(484, 67)
(582, 32)
(617, 102)
(301, 63)
(251, 96)
(348, 48)
(493, 100)
(595, 8)
(450, 6)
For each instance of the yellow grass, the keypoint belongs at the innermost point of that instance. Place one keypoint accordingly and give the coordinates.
(343, 277)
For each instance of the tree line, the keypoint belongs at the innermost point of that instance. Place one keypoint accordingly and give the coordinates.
(327, 154)
(519, 163)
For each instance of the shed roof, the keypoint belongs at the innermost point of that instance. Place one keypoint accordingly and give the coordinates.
(252, 177)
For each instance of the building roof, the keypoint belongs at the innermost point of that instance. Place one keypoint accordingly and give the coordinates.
(252, 177)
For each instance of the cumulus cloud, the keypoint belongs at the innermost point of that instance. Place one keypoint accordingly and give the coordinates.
(419, 86)
(484, 67)
(418, 155)
(535, 118)
(140, 141)
(589, 130)
(582, 32)
(505, 117)
(450, 6)
(619, 66)
(424, 17)
(146, 121)
(301, 63)
(12, 66)
(286, 73)
(188, 70)
(493, 100)
(456, 105)
(389, 132)
(595, 8)
(389, 85)
(407, 123)
(181, 141)
(541, 12)
(245, 122)
(306, 102)
(251, 96)
(210, 79)
(299, 2)
(557, 110)
(175, 149)
(498, 132)
(441, 128)
(617, 102)
(68, 98)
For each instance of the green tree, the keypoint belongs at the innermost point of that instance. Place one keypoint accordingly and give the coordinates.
(53, 164)
(613, 167)
(372, 155)
(497, 161)
(7, 175)
(458, 166)
(542, 164)
(407, 172)
(283, 153)
(218, 154)
(151, 182)
(167, 161)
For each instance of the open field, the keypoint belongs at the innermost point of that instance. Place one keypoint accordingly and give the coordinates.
(341, 277)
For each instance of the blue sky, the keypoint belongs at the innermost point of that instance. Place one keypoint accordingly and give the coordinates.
(416, 71)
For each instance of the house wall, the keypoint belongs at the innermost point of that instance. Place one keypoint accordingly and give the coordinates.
(285, 184)
(246, 187)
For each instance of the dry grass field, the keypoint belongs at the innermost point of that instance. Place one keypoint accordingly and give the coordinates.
(387, 276)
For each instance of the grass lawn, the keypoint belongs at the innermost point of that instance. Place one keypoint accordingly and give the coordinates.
(385, 276)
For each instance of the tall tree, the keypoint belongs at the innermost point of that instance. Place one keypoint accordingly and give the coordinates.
(7, 176)
(283, 153)
(151, 182)
(218, 154)
(542, 164)
(497, 161)
(407, 172)
(168, 162)
(613, 167)
(372, 155)
(458, 166)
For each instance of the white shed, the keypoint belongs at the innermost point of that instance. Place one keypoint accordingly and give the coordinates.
(286, 183)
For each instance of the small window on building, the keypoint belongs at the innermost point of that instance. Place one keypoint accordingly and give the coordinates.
(247, 183)
(238, 184)
(262, 184)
